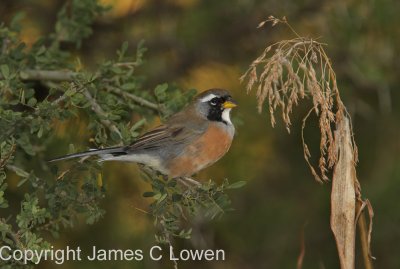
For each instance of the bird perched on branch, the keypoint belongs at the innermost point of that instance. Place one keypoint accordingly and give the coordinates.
(187, 142)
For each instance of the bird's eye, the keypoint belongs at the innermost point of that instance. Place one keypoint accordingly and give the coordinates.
(214, 101)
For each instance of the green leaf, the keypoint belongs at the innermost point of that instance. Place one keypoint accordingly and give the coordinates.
(22, 181)
(15, 22)
(29, 93)
(32, 102)
(117, 70)
(172, 183)
(115, 136)
(70, 92)
(137, 125)
(121, 53)
(237, 185)
(129, 86)
(124, 46)
(162, 198)
(160, 91)
(19, 171)
(40, 132)
(148, 194)
(5, 70)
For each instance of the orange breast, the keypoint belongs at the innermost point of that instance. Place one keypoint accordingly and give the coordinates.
(206, 150)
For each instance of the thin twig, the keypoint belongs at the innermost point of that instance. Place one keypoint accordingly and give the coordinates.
(4, 48)
(126, 64)
(100, 112)
(64, 96)
(67, 75)
(53, 75)
(13, 236)
(4, 160)
(135, 98)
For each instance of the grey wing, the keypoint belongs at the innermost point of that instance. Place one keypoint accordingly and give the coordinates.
(162, 137)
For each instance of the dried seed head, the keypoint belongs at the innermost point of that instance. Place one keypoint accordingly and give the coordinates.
(290, 70)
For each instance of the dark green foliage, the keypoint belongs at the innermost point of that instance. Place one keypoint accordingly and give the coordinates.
(174, 200)
(45, 85)
(75, 19)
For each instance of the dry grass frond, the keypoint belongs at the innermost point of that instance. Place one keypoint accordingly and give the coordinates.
(290, 70)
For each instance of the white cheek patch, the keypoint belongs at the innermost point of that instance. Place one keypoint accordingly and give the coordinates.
(208, 98)
(226, 115)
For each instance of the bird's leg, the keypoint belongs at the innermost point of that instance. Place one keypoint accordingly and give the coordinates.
(191, 181)
(148, 171)
(183, 182)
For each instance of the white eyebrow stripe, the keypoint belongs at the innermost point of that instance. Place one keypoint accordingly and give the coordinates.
(208, 97)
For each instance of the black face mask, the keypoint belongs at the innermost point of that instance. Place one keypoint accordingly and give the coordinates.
(216, 109)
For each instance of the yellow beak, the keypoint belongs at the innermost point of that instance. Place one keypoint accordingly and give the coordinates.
(229, 104)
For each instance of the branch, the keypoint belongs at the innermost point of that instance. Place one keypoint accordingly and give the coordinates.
(4, 160)
(4, 48)
(66, 75)
(100, 112)
(53, 75)
(13, 236)
(137, 99)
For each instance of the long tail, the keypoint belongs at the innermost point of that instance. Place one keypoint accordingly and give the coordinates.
(115, 151)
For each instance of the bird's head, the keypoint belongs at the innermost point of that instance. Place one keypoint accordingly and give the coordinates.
(215, 105)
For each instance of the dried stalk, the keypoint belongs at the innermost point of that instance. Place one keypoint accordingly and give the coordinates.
(343, 197)
(291, 70)
(365, 235)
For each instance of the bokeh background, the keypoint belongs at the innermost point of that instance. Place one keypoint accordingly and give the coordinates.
(203, 44)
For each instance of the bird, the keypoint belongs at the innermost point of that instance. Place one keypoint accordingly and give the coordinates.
(189, 141)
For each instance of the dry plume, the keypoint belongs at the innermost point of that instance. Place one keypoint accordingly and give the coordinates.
(288, 71)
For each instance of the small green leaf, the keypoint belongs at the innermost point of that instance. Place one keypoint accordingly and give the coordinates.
(20, 172)
(148, 194)
(32, 102)
(137, 125)
(117, 70)
(71, 149)
(70, 92)
(15, 22)
(160, 90)
(129, 86)
(237, 185)
(124, 46)
(115, 136)
(162, 198)
(22, 181)
(172, 183)
(40, 132)
(123, 50)
(5, 70)
(29, 93)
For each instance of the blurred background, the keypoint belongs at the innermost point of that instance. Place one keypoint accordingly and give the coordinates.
(203, 44)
